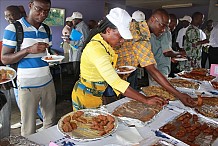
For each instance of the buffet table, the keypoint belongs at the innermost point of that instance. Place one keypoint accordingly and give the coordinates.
(149, 132)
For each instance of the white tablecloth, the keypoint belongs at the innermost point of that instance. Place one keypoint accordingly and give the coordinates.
(148, 132)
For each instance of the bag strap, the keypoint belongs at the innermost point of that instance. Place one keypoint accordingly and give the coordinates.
(19, 34)
(102, 45)
(47, 29)
(113, 63)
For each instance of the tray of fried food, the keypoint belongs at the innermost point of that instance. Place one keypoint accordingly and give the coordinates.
(178, 82)
(159, 91)
(87, 124)
(137, 110)
(196, 75)
(200, 71)
(208, 106)
(214, 84)
(17, 140)
(192, 130)
(162, 143)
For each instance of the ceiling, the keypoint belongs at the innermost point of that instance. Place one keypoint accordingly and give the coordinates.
(154, 4)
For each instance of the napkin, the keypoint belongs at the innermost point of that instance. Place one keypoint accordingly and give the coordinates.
(129, 136)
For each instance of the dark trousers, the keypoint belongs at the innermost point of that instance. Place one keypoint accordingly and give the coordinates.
(213, 55)
(173, 69)
(75, 71)
(132, 79)
(204, 57)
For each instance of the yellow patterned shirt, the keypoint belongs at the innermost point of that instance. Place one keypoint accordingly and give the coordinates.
(96, 64)
(136, 51)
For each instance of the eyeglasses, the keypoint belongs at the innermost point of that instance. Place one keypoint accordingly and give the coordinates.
(40, 10)
(161, 24)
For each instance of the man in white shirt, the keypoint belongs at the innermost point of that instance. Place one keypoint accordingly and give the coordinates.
(78, 36)
(213, 50)
(68, 27)
(186, 20)
(65, 35)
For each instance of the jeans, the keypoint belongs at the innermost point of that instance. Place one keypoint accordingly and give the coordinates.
(5, 115)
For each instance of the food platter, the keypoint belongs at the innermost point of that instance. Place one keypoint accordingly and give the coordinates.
(195, 76)
(137, 110)
(159, 91)
(214, 84)
(125, 69)
(53, 58)
(209, 108)
(6, 74)
(200, 71)
(183, 83)
(191, 129)
(160, 142)
(87, 123)
(180, 59)
(17, 140)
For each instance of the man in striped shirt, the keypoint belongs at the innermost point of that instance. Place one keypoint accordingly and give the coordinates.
(34, 80)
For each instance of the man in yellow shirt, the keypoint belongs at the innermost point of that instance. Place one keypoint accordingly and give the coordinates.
(138, 51)
(98, 61)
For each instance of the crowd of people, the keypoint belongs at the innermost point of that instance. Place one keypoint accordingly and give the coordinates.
(95, 50)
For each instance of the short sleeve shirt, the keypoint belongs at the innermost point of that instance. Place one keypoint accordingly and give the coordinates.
(136, 51)
(32, 71)
(161, 45)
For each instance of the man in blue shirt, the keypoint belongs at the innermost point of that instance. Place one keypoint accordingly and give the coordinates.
(34, 80)
(162, 49)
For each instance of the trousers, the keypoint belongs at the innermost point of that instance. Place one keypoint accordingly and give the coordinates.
(5, 115)
(29, 99)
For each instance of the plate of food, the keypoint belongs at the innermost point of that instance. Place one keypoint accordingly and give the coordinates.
(125, 69)
(53, 58)
(87, 124)
(159, 91)
(6, 74)
(137, 110)
(180, 59)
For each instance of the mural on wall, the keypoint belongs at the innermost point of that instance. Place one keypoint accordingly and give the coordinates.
(56, 17)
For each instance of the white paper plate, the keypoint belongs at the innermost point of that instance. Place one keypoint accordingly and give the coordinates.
(55, 58)
(13, 74)
(180, 59)
(126, 72)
